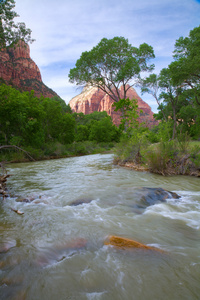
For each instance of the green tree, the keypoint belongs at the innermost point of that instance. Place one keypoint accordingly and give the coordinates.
(67, 129)
(111, 64)
(151, 86)
(103, 131)
(65, 107)
(129, 110)
(170, 94)
(167, 94)
(11, 32)
(82, 133)
(21, 116)
(186, 67)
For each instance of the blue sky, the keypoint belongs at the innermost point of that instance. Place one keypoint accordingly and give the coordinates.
(63, 29)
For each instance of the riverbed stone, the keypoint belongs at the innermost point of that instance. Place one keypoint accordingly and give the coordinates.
(151, 196)
(80, 201)
(124, 243)
(7, 245)
(58, 252)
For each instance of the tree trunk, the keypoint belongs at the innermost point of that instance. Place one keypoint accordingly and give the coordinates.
(174, 127)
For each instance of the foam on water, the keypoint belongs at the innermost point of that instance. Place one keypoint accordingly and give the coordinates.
(185, 209)
(95, 295)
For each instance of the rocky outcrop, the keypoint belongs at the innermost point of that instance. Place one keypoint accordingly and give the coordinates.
(20, 71)
(94, 99)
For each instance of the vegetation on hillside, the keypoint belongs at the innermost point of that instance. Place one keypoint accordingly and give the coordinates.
(46, 127)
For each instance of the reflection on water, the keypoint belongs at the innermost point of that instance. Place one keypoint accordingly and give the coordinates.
(56, 250)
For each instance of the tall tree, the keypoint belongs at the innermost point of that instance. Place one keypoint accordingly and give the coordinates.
(167, 94)
(11, 32)
(170, 94)
(150, 85)
(111, 64)
(186, 67)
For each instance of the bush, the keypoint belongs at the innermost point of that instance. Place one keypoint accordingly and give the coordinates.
(131, 148)
(183, 142)
(160, 155)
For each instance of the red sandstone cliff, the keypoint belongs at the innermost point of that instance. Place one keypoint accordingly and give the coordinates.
(93, 99)
(19, 70)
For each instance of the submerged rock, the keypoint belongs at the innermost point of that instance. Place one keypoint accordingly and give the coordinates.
(124, 243)
(151, 196)
(57, 253)
(80, 201)
(7, 245)
(27, 199)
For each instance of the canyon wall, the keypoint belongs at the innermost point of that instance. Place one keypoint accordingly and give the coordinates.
(20, 71)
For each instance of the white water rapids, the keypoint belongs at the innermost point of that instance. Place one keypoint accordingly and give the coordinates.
(55, 251)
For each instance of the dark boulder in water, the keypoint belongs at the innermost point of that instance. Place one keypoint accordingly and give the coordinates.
(151, 196)
(80, 201)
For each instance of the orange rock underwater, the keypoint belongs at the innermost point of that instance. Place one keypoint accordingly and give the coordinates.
(125, 243)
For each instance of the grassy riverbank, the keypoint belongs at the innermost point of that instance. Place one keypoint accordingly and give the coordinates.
(166, 158)
(56, 150)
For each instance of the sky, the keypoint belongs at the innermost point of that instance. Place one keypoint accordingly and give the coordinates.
(63, 29)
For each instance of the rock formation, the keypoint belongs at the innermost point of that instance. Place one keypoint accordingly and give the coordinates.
(94, 99)
(20, 71)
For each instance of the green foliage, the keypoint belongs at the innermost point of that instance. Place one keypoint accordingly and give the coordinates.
(82, 133)
(28, 121)
(129, 148)
(159, 156)
(103, 131)
(195, 155)
(65, 107)
(43, 128)
(129, 109)
(183, 142)
(11, 32)
(113, 62)
(87, 147)
(96, 126)
(20, 116)
(177, 88)
(186, 67)
(67, 129)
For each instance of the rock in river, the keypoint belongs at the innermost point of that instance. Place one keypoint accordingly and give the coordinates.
(124, 243)
(150, 196)
(80, 201)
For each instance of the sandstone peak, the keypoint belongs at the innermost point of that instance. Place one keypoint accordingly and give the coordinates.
(94, 99)
(19, 70)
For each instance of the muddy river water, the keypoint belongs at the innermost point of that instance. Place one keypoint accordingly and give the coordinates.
(55, 250)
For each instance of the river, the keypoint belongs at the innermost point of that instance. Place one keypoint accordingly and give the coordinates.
(55, 251)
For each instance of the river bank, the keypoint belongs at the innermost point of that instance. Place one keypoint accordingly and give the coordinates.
(189, 170)
(164, 158)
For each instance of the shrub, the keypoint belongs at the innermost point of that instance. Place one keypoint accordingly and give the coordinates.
(160, 155)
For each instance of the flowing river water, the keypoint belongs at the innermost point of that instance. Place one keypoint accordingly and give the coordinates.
(55, 251)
